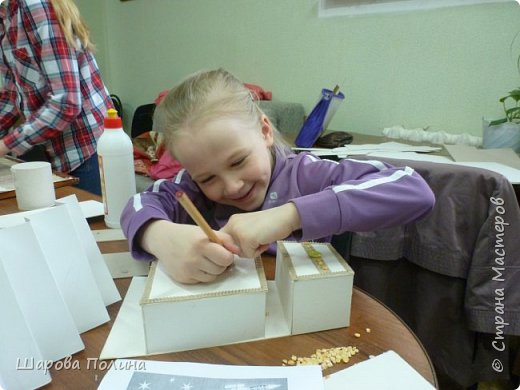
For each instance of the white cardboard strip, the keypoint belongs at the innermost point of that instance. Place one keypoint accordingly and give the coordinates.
(89, 208)
(99, 268)
(38, 296)
(20, 352)
(70, 267)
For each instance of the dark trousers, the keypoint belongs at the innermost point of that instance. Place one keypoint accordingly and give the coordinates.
(87, 173)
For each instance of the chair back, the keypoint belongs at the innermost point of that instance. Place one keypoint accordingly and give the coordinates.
(142, 121)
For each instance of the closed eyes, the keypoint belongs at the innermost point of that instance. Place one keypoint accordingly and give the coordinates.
(235, 164)
(238, 162)
(206, 180)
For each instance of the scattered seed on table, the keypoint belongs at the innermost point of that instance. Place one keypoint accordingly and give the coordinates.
(324, 357)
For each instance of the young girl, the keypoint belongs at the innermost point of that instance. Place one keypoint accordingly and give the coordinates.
(52, 94)
(251, 189)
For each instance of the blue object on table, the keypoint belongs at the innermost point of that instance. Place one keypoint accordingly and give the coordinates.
(319, 117)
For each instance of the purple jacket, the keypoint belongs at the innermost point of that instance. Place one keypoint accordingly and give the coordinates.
(331, 198)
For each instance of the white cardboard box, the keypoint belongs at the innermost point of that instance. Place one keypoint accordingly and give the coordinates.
(179, 317)
(313, 297)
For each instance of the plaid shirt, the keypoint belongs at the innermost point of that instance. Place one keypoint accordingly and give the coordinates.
(55, 90)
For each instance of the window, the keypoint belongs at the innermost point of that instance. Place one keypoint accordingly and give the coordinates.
(361, 7)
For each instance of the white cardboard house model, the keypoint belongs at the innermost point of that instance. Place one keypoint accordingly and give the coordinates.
(315, 295)
(231, 309)
(182, 316)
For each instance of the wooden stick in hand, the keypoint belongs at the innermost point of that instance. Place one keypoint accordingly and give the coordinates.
(197, 216)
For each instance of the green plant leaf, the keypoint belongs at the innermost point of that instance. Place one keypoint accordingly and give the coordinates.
(497, 122)
(514, 114)
(513, 111)
(515, 94)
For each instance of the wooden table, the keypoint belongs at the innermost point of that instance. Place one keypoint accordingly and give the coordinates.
(387, 332)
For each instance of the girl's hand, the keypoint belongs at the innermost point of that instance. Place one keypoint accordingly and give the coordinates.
(253, 232)
(185, 252)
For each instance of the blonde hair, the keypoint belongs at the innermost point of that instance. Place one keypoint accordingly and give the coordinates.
(205, 96)
(72, 24)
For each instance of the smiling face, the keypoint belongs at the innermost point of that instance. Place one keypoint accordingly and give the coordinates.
(230, 160)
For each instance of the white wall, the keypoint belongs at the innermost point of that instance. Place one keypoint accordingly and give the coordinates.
(444, 69)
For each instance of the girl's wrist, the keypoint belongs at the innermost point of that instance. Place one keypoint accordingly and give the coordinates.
(148, 234)
(293, 216)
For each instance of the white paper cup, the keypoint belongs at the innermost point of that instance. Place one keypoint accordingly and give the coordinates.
(34, 185)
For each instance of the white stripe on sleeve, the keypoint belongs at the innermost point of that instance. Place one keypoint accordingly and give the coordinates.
(157, 184)
(314, 159)
(178, 178)
(137, 202)
(374, 182)
(376, 164)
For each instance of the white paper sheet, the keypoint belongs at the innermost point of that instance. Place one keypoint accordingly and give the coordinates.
(89, 208)
(78, 211)
(92, 208)
(464, 153)
(126, 338)
(384, 147)
(356, 150)
(38, 296)
(397, 150)
(511, 174)
(70, 267)
(412, 156)
(19, 348)
(99, 268)
(146, 374)
(242, 276)
(387, 371)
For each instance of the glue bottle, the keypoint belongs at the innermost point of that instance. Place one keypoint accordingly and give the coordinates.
(116, 167)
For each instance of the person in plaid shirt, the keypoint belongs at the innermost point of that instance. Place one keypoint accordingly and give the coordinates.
(51, 91)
